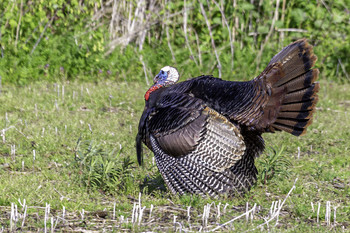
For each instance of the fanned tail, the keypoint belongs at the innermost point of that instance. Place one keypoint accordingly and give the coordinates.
(293, 82)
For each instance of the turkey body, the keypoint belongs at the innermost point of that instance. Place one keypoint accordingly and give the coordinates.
(206, 132)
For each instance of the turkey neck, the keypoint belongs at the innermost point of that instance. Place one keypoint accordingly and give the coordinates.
(154, 94)
(152, 89)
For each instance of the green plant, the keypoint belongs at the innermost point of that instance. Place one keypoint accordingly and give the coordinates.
(49, 40)
(103, 170)
(274, 164)
(128, 39)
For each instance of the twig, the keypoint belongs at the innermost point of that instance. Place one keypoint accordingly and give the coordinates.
(150, 211)
(185, 31)
(115, 16)
(225, 207)
(229, 33)
(188, 213)
(219, 213)
(328, 213)
(291, 30)
(19, 23)
(282, 19)
(206, 213)
(63, 212)
(169, 44)
(24, 215)
(211, 37)
(232, 220)
(258, 57)
(62, 197)
(144, 70)
(198, 48)
(42, 33)
(47, 213)
(82, 214)
(247, 216)
(343, 68)
(327, 7)
(279, 30)
(114, 204)
(278, 210)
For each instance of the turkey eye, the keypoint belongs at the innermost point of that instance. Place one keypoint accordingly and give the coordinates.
(162, 72)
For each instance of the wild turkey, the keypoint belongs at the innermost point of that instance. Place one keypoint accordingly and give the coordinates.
(206, 132)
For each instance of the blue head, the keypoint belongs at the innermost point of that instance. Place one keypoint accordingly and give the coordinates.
(167, 75)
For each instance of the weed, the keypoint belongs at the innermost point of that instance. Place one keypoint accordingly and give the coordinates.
(101, 169)
(274, 164)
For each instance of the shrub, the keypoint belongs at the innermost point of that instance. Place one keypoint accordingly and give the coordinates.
(275, 164)
(103, 170)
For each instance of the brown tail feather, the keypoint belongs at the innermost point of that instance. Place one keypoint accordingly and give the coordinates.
(296, 115)
(303, 106)
(293, 88)
(303, 81)
(302, 95)
(288, 129)
(296, 123)
(296, 59)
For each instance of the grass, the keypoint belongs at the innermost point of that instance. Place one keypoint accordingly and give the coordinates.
(58, 125)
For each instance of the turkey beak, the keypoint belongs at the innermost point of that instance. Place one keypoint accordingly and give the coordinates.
(156, 78)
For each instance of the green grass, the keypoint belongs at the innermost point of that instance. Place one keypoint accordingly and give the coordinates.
(105, 116)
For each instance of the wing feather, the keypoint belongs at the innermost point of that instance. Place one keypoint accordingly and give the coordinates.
(197, 157)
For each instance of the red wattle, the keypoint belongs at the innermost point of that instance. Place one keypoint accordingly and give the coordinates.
(152, 89)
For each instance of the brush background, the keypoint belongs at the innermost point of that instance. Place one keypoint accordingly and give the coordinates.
(131, 40)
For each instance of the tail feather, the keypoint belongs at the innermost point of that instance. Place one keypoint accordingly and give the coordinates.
(302, 95)
(288, 129)
(295, 115)
(294, 86)
(303, 81)
(296, 59)
(300, 107)
(294, 122)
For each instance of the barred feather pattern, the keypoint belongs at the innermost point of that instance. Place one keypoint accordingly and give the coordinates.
(182, 175)
(207, 169)
(221, 146)
(245, 169)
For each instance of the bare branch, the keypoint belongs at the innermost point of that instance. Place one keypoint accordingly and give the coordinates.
(258, 57)
(229, 33)
(211, 37)
(19, 23)
(185, 31)
(42, 33)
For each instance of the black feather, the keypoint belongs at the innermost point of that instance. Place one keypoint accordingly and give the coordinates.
(139, 149)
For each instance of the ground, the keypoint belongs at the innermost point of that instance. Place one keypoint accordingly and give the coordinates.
(68, 162)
